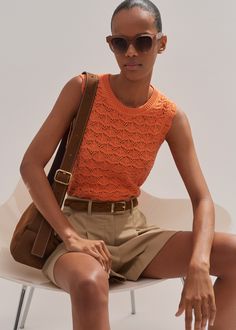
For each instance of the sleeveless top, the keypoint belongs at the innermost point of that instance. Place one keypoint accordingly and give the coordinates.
(120, 145)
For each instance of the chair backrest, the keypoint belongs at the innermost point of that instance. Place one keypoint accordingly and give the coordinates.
(12, 209)
(167, 213)
(177, 214)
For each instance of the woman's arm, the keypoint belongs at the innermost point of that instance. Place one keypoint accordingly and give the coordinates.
(180, 141)
(198, 290)
(41, 150)
(37, 156)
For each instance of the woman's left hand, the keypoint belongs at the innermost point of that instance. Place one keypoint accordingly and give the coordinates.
(197, 295)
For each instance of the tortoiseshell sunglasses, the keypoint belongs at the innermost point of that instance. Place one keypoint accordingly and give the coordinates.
(141, 42)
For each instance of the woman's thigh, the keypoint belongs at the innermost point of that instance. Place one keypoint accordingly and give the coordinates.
(75, 268)
(173, 259)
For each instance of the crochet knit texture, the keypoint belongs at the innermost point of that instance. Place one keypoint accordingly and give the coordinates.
(120, 145)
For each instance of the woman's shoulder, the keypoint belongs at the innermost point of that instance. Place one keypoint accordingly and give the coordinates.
(171, 106)
(176, 116)
(165, 99)
(75, 81)
(79, 80)
(180, 125)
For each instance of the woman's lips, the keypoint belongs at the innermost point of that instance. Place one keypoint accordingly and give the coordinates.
(132, 66)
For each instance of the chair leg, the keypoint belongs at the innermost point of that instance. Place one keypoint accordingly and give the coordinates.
(133, 307)
(132, 296)
(27, 306)
(19, 309)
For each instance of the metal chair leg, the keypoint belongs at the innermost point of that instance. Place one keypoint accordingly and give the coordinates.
(27, 306)
(133, 307)
(19, 309)
(132, 296)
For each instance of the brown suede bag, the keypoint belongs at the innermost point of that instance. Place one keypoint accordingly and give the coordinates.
(34, 239)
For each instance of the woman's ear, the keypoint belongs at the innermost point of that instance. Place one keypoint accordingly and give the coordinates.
(163, 43)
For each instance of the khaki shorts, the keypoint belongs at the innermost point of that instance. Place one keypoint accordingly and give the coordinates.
(131, 241)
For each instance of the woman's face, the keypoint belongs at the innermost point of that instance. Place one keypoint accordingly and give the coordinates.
(133, 64)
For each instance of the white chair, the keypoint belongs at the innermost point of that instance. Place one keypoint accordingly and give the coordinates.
(168, 213)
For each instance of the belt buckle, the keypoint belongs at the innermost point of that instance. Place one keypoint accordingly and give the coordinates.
(113, 207)
(67, 175)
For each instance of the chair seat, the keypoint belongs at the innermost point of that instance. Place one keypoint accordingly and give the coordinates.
(167, 213)
(14, 271)
(133, 285)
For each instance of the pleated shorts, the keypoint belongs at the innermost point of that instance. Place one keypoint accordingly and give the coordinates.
(131, 240)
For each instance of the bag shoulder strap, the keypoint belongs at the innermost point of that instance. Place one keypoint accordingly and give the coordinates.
(63, 174)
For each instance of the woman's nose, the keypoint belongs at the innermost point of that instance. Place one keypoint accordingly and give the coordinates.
(131, 51)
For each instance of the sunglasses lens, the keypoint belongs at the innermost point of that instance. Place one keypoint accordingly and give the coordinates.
(119, 45)
(143, 43)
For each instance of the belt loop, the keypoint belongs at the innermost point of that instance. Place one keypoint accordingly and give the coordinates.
(112, 207)
(132, 206)
(90, 207)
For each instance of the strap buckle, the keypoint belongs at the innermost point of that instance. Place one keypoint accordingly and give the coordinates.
(123, 205)
(63, 174)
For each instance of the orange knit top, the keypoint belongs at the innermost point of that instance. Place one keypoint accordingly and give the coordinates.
(120, 145)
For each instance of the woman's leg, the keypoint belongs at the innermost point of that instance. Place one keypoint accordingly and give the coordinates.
(82, 276)
(173, 259)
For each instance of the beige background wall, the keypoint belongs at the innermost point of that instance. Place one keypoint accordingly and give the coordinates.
(45, 43)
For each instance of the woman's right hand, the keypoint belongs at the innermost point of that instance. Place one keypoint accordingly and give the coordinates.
(96, 248)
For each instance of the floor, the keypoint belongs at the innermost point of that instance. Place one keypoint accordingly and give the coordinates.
(155, 305)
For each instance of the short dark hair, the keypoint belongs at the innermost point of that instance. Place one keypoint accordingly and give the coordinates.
(143, 4)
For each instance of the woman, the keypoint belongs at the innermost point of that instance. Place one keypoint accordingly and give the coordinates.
(102, 228)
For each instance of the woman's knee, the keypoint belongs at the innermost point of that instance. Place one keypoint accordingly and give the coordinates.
(223, 255)
(82, 276)
(91, 286)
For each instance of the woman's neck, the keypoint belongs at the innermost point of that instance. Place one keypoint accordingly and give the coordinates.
(133, 94)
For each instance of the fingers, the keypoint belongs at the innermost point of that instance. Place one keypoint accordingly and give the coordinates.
(205, 313)
(188, 316)
(105, 257)
(99, 251)
(208, 310)
(181, 306)
(212, 310)
(95, 248)
(94, 252)
(197, 314)
(204, 310)
(107, 253)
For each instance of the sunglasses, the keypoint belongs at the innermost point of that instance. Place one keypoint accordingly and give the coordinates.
(141, 42)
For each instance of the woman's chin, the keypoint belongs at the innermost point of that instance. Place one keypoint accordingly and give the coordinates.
(135, 75)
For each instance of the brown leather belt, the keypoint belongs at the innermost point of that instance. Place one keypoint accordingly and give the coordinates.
(100, 206)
